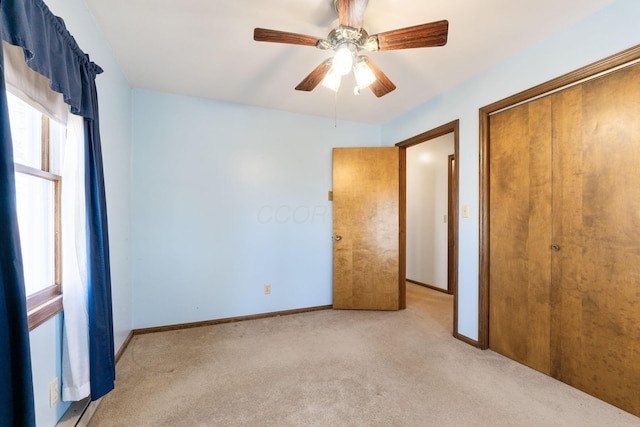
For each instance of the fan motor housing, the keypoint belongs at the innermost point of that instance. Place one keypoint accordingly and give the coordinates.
(340, 35)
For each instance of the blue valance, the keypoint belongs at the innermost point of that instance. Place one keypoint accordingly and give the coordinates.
(50, 50)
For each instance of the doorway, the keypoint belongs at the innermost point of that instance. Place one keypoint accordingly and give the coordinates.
(434, 241)
(428, 212)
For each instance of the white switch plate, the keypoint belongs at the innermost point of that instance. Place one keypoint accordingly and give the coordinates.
(465, 211)
(267, 289)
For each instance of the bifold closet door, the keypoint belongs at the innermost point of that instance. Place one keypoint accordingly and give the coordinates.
(595, 339)
(520, 232)
(564, 222)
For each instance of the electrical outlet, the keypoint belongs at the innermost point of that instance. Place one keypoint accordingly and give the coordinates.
(267, 289)
(53, 392)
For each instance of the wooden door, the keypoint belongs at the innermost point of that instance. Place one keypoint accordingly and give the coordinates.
(596, 225)
(520, 233)
(565, 236)
(366, 228)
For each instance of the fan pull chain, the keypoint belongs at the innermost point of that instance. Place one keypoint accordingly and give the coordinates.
(335, 109)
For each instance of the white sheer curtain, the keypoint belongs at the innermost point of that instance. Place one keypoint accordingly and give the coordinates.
(75, 347)
(33, 88)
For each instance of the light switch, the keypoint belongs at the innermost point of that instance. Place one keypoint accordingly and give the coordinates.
(465, 211)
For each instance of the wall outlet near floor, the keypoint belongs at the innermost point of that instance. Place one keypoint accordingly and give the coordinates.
(53, 392)
(267, 289)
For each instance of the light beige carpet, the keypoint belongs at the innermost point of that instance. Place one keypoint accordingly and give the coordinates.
(338, 368)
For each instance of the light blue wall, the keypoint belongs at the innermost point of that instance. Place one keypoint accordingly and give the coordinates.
(228, 198)
(607, 32)
(46, 359)
(115, 113)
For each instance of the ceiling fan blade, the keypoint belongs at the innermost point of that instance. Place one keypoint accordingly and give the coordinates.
(425, 35)
(312, 80)
(275, 36)
(351, 12)
(382, 85)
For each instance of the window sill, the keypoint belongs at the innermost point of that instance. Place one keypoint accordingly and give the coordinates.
(44, 312)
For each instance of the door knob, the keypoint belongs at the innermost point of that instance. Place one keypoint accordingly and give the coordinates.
(338, 238)
(555, 248)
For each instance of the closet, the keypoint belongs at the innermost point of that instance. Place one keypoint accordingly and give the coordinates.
(564, 236)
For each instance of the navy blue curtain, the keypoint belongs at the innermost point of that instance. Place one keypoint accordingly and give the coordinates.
(51, 51)
(16, 386)
(101, 350)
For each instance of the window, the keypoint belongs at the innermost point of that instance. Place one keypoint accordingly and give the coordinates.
(38, 145)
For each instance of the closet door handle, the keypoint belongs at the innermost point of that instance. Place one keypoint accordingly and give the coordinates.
(555, 248)
(338, 238)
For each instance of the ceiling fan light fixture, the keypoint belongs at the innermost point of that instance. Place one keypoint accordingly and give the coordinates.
(332, 80)
(362, 72)
(343, 59)
(347, 37)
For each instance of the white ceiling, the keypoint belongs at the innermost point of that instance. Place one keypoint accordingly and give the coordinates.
(205, 48)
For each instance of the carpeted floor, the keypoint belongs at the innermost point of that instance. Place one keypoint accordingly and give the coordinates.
(338, 368)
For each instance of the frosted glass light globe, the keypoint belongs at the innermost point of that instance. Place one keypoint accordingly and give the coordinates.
(343, 61)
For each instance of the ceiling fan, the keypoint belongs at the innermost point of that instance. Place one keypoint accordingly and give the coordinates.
(347, 39)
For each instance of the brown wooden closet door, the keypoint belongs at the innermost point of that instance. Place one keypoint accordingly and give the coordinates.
(520, 231)
(596, 211)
